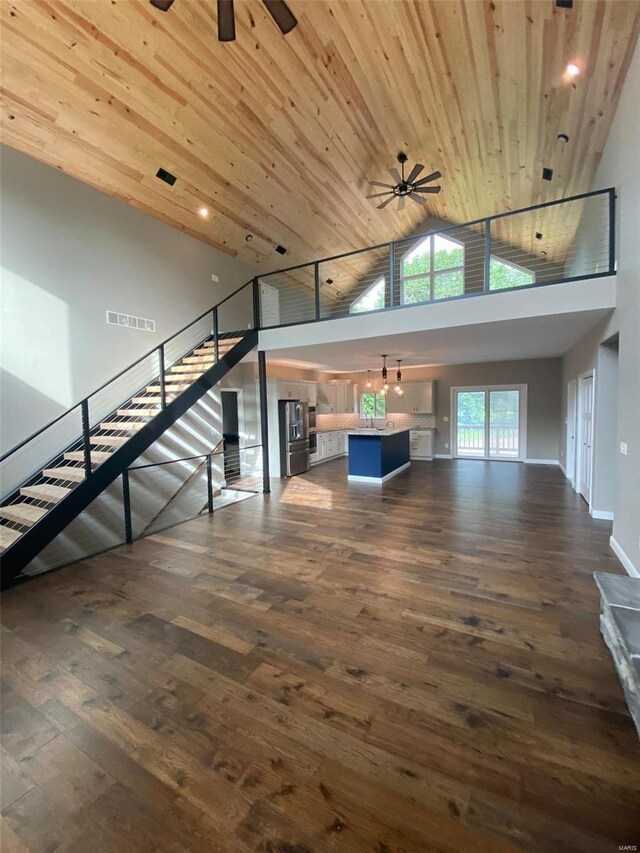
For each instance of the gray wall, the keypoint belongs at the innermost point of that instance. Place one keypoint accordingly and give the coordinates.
(542, 377)
(620, 167)
(69, 253)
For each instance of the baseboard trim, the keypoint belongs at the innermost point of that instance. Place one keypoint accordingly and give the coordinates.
(603, 514)
(562, 468)
(355, 478)
(443, 456)
(630, 569)
(542, 462)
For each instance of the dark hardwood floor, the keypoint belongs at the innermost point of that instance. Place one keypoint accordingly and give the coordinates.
(414, 667)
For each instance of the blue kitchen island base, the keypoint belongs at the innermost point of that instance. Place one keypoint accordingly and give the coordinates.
(376, 456)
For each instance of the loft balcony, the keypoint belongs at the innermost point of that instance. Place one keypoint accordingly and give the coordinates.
(436, 279)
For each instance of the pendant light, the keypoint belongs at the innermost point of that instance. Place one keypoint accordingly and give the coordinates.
(399, 391)
(368, 380)
(385, 384)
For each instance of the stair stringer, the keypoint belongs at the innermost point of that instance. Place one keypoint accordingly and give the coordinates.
(59, 516)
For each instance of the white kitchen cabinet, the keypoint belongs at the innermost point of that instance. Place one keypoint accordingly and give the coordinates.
(416, 400)
(421, 444)
(303, 391)
(342, 404)
(312, 394)
(331, 445)
(327, 400)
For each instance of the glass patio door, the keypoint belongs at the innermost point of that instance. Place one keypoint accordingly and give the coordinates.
(489, 422)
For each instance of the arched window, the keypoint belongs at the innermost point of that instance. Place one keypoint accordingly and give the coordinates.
(505, 274)
(372, 299)
(434, 269)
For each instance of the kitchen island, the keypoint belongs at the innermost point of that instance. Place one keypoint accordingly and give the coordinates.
(377, 455)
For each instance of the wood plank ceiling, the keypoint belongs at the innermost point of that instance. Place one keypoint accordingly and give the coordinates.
(278, 136)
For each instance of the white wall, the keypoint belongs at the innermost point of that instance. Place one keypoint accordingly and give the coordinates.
(69, 253)
(620, 167)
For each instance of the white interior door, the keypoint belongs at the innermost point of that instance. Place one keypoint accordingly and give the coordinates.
(570, 450)
(585, 417)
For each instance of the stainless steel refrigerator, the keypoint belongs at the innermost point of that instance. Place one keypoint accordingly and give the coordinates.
(294, 437)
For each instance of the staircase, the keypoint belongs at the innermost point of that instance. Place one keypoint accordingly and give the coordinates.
(35, 512)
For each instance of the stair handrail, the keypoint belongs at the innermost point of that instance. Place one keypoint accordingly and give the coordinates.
(610, 191)
(124, 370)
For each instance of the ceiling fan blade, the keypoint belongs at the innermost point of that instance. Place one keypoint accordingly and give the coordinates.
(281, 14)
(226, 21)
(401, 202)
(395, 174)
(163, 5)
(415, 172)
(427, 189)
(432, 177)
(378, 184)
(385, 203)
(377, 195)
(417, 198)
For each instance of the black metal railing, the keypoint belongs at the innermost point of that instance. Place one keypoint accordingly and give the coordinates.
(559, 241)
(158, 495)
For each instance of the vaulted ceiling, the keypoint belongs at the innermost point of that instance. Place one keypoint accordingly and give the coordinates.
(279, 136)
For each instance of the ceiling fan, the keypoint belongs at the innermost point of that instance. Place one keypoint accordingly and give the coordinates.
(408, 186)
(278, 9)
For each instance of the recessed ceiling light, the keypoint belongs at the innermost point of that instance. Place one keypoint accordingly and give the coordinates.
(543, 252)
(329, 281)
(203, 212)
(249, 238)
(547, 174)
(562, 137)
(538, 235)
(573, 69)
(281, 250)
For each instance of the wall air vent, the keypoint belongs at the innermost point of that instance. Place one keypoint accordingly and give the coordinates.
(281, 250)
(564, 4)
(167, 177)
(547, 174)
(115, 318)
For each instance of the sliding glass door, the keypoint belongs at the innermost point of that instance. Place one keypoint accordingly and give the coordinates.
(489, 422)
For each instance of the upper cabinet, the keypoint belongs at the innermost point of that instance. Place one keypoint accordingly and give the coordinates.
(417, 399)
(303, 391)
(337, 398)
(327, 399)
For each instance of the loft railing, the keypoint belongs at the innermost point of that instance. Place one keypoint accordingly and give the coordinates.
(560, 241)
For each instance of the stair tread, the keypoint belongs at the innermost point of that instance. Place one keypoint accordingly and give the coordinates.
(139, 413)
(66, 472)
(96, 456)
(146, 399)
(123, 425)
(106, 440)
(45, 492)
(23, 513)
(7, 537)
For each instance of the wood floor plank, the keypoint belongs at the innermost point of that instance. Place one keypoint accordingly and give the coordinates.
(413, 668)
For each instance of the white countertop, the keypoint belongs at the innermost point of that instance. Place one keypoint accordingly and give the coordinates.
(375, 431)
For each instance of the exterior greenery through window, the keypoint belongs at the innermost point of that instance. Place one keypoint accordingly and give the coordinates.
(434, 269)
(503, 275)
(373, 405)
(372, 299)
